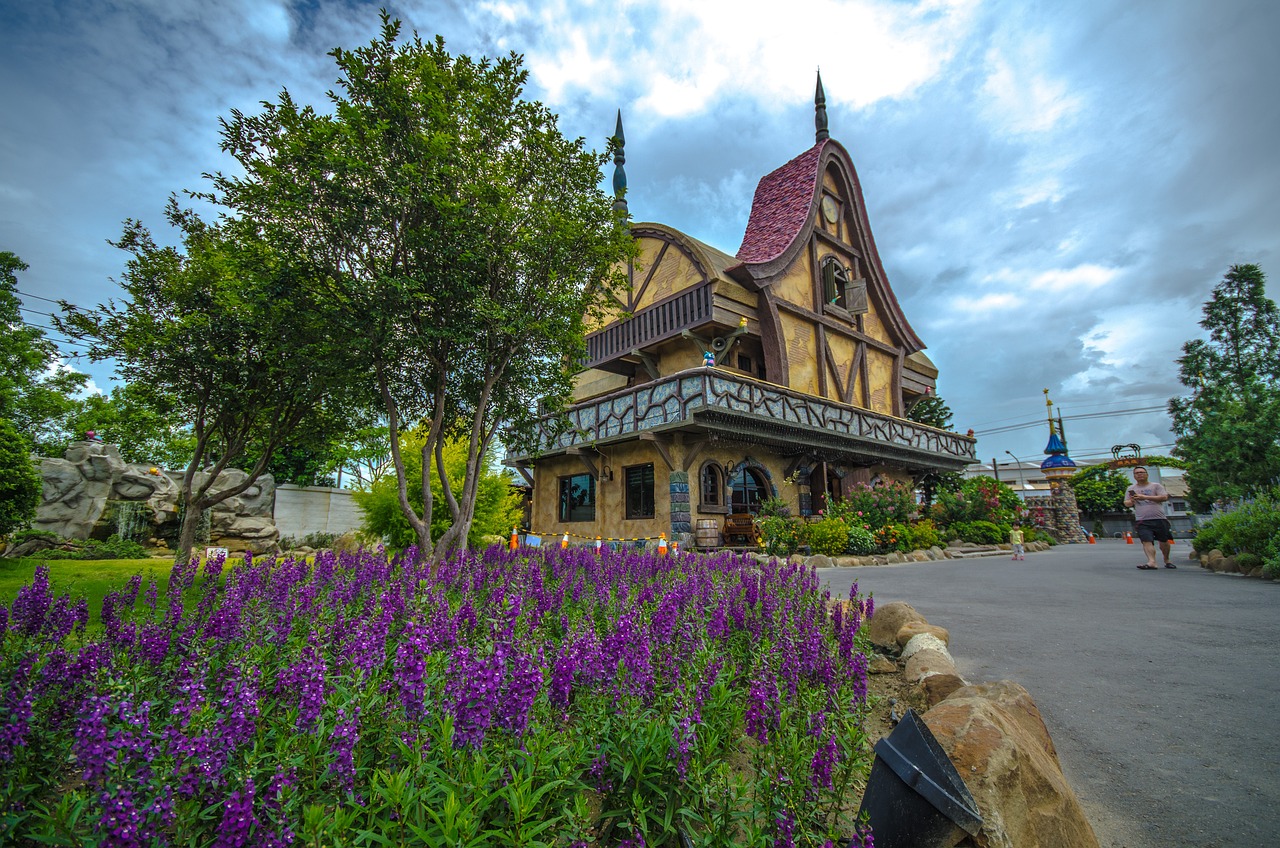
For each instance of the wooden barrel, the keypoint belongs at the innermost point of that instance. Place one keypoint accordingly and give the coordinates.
(707, 533)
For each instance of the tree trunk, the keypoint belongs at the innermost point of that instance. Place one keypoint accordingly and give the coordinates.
(191, 516)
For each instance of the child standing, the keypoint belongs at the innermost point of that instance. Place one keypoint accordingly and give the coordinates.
(1015, 539)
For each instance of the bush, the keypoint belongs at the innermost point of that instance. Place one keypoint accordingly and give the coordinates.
(1251, 527)
(1039, 534)
(860, 541)
(113, 548)
(893, 537)
(317, 541)
(828, 536)
(1248, 562)
(981, 532)
(19, 479)
(887, 503)
(978, 499)
(1271, 568)
(782, 536)
(923, 534)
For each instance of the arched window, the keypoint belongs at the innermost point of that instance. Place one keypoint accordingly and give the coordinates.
(842, 287)
(747, 490)
(711, 490)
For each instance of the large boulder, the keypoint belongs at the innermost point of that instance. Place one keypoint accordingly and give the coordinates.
(884, 625)
(997, 740)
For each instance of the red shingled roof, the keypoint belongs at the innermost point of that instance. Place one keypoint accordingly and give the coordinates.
(780, 208)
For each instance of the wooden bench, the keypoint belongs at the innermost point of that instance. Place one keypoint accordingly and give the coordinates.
(740, 529)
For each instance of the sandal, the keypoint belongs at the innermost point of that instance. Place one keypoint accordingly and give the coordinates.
(1146, 567)
(1170, 565)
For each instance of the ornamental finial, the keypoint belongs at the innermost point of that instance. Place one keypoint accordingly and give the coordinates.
(619, 173)
(820, 112)
(1048, 403)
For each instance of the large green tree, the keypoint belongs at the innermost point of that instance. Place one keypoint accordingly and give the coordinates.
(460, 236)
(146, 425)
(1099, 488)
(19, 481)
(934, 411)
(1228, 427)
(225, 331)
(36, 391)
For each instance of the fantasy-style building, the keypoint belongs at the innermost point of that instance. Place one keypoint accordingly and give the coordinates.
(722, 381)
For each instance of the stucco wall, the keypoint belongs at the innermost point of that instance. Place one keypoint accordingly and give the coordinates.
(303, 510)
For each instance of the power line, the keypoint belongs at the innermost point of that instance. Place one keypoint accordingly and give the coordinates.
(1084, 416)
(1080, 406)
(36, 296)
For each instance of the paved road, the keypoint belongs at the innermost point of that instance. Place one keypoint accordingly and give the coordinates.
(1161, 689)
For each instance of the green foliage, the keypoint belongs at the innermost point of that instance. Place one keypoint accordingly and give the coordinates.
(1036, 534)
(888, 503)
(829, 536)
(144, 424)
(861, 542)
(932, 411)
(893, 537)
(923, 534)
(36, 390)
(782, 535)
(20, 484)
(1099, 488)
(317, 541)
(1251, 527)
(113, 548)
(978, 499)
(497, 505)
(1228, 429)
(980, 532)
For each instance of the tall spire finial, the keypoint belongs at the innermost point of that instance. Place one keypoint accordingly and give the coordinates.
(1048, 403)
(820, 112)
(619, 173)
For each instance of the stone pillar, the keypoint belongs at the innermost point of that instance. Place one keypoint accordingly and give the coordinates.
(681, 516)
(1066, 513)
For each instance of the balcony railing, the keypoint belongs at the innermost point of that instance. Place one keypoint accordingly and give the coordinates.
(717, 399)
(650, 325)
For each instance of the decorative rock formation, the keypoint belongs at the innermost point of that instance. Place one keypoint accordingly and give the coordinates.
(80, 489)
(997, 740)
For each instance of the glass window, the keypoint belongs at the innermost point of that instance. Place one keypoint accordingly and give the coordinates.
(747, 490)
(710, 485)
(578, 498)
(640, 491)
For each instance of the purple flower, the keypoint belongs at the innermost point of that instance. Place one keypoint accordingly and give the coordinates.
(342, 742)
(238, 820)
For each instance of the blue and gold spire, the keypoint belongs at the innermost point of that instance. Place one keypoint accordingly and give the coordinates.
(1058, 463)
(619, 173)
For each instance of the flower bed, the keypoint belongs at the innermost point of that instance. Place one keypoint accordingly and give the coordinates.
(537, 697)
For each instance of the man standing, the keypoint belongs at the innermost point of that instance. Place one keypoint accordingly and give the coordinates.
(1145, 499)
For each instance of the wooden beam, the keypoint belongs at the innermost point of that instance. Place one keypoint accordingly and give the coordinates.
(586, 460)
(649, 363)
(661, 447)
(691, 452)
(522, 469)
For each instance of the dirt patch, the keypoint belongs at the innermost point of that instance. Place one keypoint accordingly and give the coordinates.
(889, 694)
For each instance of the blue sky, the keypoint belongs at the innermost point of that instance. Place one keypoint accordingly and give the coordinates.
(1054, 188)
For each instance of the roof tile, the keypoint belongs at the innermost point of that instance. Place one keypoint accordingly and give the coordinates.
(780, 208)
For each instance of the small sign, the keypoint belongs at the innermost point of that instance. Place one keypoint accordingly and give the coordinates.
(211, 553)
(533, 541)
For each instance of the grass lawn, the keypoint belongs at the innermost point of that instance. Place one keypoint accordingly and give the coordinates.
(91, 578)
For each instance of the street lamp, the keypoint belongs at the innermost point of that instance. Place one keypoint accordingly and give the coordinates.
(1017, 465)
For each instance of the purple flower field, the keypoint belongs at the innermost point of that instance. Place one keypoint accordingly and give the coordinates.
(535, 697)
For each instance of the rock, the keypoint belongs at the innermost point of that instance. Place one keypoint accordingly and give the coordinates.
(880, 664)
(923, 642)
(926, 663)
(937, 552)
(846, 561)
(934, 688)
(821, 561)
(919, 556)
(1255, 572)
(997, 740)
(884, 624)
(914, 628)
(1230, 566)
(1215, 560)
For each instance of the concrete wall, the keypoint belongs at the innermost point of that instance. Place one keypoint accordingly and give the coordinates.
(303, 510)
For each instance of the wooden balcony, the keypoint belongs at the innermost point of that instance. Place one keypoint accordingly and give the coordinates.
(659, 322)
(739, 407)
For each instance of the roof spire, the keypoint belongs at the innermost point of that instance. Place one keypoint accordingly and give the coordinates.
(820, 112)
(619, 173)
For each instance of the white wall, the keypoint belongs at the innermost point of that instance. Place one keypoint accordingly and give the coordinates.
(303, 510)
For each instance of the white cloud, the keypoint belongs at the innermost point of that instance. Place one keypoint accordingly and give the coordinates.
(1021, 96)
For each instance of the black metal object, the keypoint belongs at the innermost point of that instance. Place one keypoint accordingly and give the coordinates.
(915, 797)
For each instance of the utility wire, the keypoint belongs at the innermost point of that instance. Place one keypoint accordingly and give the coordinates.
(1087, 415)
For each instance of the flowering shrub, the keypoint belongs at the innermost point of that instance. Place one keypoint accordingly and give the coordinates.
(536, 697)
(828, 536)
(893, 537)
(887, 503)
(860, 541)
(923, 535)
(977, 499)
(782, 535)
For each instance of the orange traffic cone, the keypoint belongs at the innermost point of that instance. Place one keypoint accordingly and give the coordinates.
(564, 542)
(598, 544)
(515, 540)
(662, 544)
(1128, 538)
(1092, 540)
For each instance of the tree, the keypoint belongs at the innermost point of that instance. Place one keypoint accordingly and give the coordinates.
(225, 330)
(933, 411)
(36, 390)
(1099, 488)
(460, 238)
(497, 504)
(1228, 429)
(144, 424)
(19, 481)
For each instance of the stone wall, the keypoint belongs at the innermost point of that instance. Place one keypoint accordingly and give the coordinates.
(303, 510)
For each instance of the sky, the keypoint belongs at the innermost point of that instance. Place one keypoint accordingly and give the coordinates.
(1054, 188)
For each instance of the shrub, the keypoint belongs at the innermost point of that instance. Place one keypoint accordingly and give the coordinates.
(113, 548)
(1039, 534)
(828, 536)
(782, 536)
(1248, 561)
(19, 479)
(887, 503)
(860, 541)
(978, 499)
(893, 537)
(923, 534)
(981, 532)
(1271, 568)
(1251, 527)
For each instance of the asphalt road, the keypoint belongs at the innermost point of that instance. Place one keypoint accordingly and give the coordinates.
(1161, 689)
